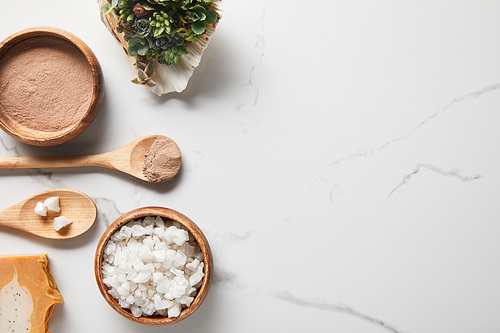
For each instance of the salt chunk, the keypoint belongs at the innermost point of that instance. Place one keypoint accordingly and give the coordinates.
(52, 204)
(193, 265)
(163, 286)
(61, 222)
(138, 230)
(145, 254)
(188, 249)
(185, 300)
(180, 237)
(169, 295)
(114, 293)
(170, 256)
(123, 303)
(149, 309)
(180, 259)
(130, 299)
(136, 311)
(111, 281)
(107, 269)
(149, 242)
(169, 234)
(110, 248)
(160, 256)
(179, 285)
(177, 272)
(161, 246)
(174, 310)
(126, 230)
(143, 277)
(159, 224)
(148, 268)
(159, 232)
(161, 304)
(196, 277)
(40, 209)
(157, 277)
(148, 221)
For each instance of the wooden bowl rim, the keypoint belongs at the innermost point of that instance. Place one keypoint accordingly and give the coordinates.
(168, 214)
(97, 87)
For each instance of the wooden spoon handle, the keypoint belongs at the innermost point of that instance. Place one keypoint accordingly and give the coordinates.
(9, 217)
(53, 162)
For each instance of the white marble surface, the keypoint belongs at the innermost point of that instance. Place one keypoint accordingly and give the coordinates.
(342, 158)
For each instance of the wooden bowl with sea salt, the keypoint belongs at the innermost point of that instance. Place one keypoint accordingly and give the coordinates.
(153, 266)
(50, 86)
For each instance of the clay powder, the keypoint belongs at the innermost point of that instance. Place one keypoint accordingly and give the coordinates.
(162, 160)
(46, 84)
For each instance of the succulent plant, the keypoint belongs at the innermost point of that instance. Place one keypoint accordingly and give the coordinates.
(141, 10)
(126, 10)
(160, 21)
(159, 29)
(144, 74)
(200, 17)
(154, 54)
(137, 46)
(172, 55)
(141, 27)
(160, 42)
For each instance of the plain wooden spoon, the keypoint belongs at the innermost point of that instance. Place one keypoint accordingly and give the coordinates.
(75, 205)
(129, 159)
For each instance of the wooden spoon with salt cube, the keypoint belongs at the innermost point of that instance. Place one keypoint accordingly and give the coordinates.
(74, 205)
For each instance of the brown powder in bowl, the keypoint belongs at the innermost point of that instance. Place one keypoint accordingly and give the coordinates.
(162, 160)
(46, 84)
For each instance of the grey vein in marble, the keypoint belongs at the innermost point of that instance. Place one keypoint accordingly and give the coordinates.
(286, 296)
(447, 173)
(12, 150)
(43, 177)
(259, 45)
(107, 210)
(351, 157)
(451, 104)
(367, 151)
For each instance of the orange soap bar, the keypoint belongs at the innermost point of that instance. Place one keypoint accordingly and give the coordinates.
(28, 294)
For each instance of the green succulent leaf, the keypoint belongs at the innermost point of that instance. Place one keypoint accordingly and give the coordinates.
(143, 50)
(141, 75)
(212, 17)
(198, 27)
(149, 70)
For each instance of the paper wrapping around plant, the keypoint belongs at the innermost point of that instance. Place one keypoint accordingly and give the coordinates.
(168, 78)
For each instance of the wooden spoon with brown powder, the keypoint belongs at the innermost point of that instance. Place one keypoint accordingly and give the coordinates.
(154, 158)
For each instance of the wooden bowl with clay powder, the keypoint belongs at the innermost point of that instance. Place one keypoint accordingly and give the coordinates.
(50, 86)
(168, 216)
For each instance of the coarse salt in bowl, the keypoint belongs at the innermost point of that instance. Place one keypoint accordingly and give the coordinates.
(153, 265)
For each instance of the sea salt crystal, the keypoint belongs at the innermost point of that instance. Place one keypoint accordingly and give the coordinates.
(52, 204)
(174, 310)
(185, 300)
(180, 259)
(40, 209)
(60, 222)
(151, 267)
(161, 304)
